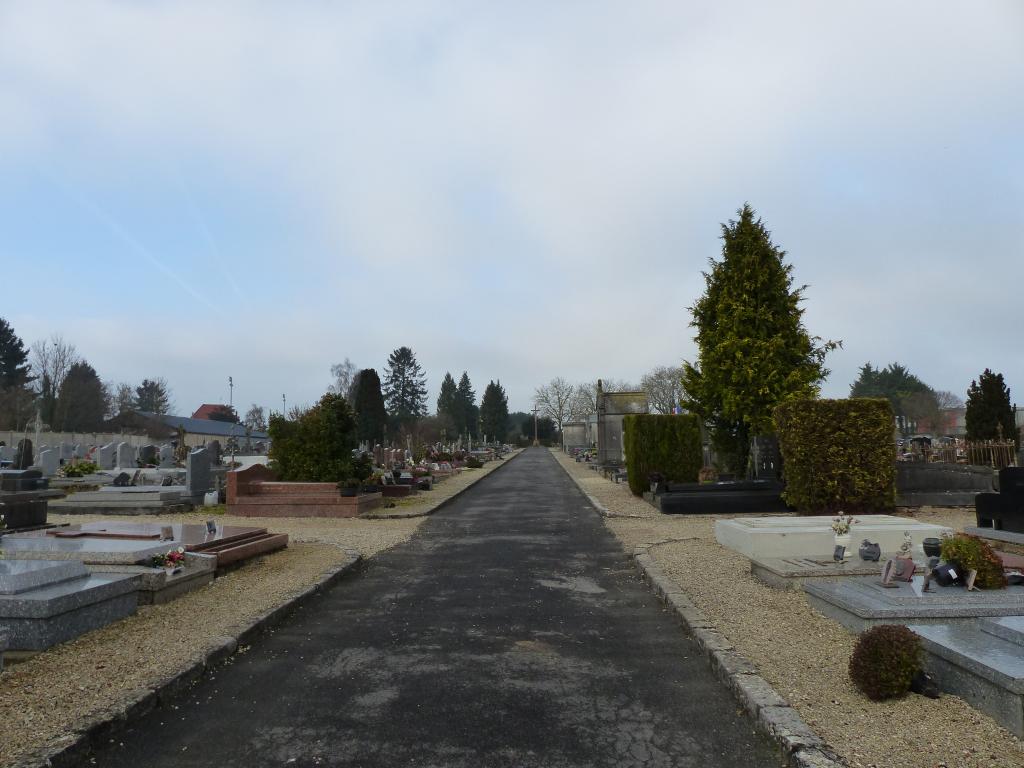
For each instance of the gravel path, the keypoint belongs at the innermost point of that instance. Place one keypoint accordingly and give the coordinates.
(801, 653)
(46, 697)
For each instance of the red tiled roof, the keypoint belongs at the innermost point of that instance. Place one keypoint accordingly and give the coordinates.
(204, 410)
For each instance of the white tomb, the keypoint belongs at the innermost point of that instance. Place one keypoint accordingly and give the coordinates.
(760, 538)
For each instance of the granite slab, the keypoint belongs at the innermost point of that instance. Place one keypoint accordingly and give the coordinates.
(32, 546)
(996, 535)
(799, 536)
(790, 572)
(860, 602)
(982, 662)
(157, 586)
(17, 576)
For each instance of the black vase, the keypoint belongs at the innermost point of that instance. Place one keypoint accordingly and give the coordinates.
(932, 547)
(870, 551)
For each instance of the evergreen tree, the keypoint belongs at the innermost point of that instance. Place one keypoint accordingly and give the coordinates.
(465, 407)
(226, 413)
(912, 400)
(14, 369)
(988, 409)
(153, 396)
(446, 398)
(753, 349)
(494, 411)
(82, 402)
(371, 415)
(405, 387)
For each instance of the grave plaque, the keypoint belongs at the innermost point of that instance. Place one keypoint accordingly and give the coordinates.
(107, 456)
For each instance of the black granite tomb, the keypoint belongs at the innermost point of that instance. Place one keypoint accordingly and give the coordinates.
(1003, 511)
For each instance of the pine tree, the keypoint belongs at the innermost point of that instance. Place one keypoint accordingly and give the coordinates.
(753, 350)
(494, 411)
(81, 403)
(405, 387)
(912, 400)
(465, 407)
(988, 409)
(14, 369)
(153, 396)
(446, 398)
(371, 415)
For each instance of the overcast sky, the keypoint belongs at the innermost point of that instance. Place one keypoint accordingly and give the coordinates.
(521, 190)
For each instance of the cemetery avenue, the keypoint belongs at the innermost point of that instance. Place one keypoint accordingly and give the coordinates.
(510, 631)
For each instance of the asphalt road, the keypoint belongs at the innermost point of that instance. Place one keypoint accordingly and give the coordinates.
(510, 631)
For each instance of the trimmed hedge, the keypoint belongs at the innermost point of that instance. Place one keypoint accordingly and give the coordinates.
(838, 455)
(669, 445)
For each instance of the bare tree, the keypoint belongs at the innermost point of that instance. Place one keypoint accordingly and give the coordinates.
(345, 378)
(554, 400)
(664, 388)
(947, 400)
(255, 419)
(51, 361)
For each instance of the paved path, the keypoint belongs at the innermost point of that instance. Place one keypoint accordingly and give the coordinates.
(510, 631)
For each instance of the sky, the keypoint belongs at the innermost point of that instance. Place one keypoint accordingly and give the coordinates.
(198, 190)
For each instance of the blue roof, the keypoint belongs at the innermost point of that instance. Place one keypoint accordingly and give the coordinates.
(206, 426)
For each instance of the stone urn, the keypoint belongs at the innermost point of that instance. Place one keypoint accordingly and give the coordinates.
(870, 551)
(932, 547)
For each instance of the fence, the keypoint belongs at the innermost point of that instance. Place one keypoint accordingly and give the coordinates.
(979, 453)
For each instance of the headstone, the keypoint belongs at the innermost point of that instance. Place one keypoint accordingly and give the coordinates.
(67, 452)
(198, 479)
(166, 456)
(6, 453)
(49, 462)
(123, 480)
(107, 456)
(147, 455)
(23, 458)
(125, 456)
(216, 452)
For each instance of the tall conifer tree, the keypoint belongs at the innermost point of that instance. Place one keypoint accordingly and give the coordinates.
(371, 415)
(494, 412)
(989, 411)
(405, 387)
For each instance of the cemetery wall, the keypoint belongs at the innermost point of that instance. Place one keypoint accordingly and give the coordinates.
(11, 437)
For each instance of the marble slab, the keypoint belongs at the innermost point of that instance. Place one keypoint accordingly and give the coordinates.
(88, 550)
(800, 536)
(790, 572)
(17, 576)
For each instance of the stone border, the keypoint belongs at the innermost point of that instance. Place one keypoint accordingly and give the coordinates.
(771, 713)
(109, 723)
(437, 505)
(801, 746)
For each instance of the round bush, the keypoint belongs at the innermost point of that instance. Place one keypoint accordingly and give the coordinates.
(885, 660)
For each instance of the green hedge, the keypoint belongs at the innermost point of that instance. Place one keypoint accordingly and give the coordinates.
(838, 455)
(670, 445)
(316, 447)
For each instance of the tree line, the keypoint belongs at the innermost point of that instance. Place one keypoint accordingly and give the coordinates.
(395, 408)
(53, 380)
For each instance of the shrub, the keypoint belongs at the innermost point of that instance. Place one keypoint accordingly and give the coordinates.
(838, 455)
(473, 463)
(317, 446)
(972, 554)
(79, 469)
(885, 660)
(661, 444)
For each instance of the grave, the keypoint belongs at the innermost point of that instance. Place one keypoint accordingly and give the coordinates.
(126, 500)
(982, 662)
(38, 546)
(800, 536)
(254, 492)
(157, 586)
(729, 497)
(612, 407)
(6, 456)
(24, 496)
(860, 602)
(794, 572)
(1003, 511)
(43, 603)
(166, 457)
(125, 457)
(147, 455)
(23, 456)
(49, 461)
(107, 456)
(198, 475)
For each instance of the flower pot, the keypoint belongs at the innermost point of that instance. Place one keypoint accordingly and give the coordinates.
(870, 551)
(841, 542)
(932, 547)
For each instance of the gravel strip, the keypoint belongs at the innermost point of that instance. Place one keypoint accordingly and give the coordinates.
(800, 653)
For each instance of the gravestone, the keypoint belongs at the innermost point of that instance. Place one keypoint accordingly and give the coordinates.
(49, 462)
(198, 478)
(107, 456)
(147, 455)
(123, 480)
(125, 456)
(66, 452)
(166, 456)
(216, 452)
(765, 458)
(23, 458)
(612, 407)
(1003, 511)
(6, 453)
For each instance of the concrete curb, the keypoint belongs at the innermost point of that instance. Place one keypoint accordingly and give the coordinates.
(109, 723)
(801, 747)
(442, 502)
